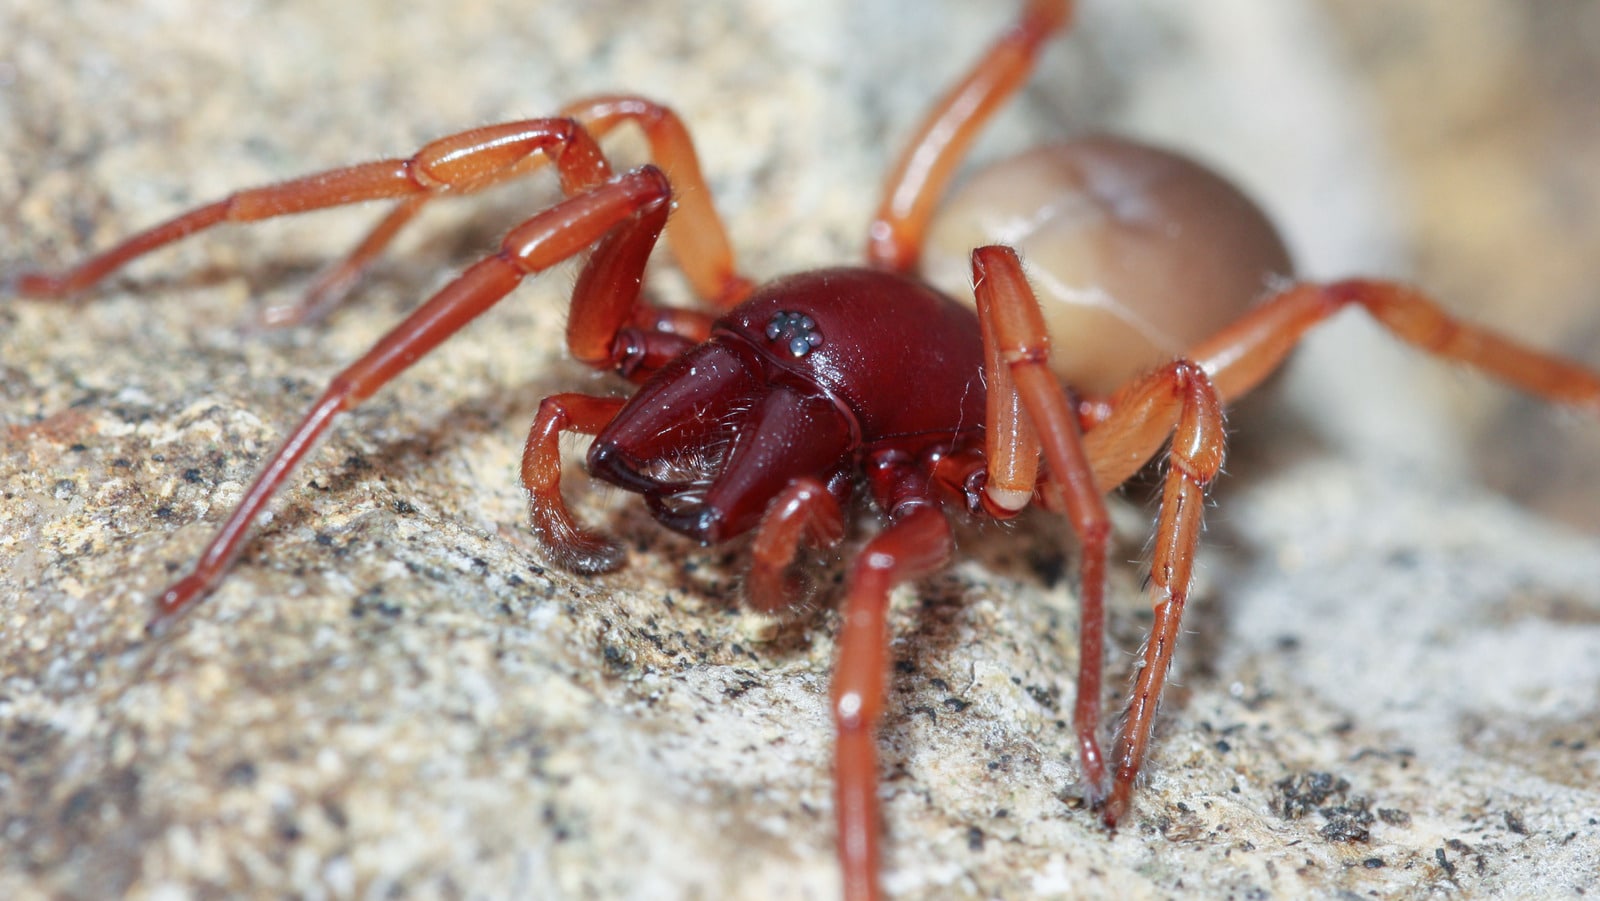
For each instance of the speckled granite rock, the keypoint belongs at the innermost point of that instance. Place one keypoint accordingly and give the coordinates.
(392, 695)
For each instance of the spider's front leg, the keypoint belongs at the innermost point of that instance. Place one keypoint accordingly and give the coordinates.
(623, 216)
(457, 164)
(1177, 401)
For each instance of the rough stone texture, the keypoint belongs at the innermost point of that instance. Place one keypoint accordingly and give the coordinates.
(392, 695)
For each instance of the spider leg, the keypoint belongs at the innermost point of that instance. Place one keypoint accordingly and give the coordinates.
(1015, 336)
(696, 235)
(805, 510)
(916, 542)
(1179, 401)
(1240, 356)
(603, 327)
(457, 164)
(460, 162)
(1185, 399)
(919, 177)
(1011, 443)
(334, 283)
(617, 207)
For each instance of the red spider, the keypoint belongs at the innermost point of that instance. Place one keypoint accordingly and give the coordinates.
(770, 414)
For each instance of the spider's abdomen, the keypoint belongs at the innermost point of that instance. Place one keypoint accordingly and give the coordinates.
(903, 358)
(1136, 253)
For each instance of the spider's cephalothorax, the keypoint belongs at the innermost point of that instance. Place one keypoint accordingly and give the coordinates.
(795, 383)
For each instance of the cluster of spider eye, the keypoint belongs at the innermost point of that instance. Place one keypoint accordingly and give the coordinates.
(798, 330)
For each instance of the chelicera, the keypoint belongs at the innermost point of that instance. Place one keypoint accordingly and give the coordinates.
(792, 400)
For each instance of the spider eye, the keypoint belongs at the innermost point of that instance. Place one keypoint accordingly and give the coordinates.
(797, 330)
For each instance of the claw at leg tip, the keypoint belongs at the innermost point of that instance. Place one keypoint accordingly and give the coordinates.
(1113, 810)
(173, 603)
(23, 284)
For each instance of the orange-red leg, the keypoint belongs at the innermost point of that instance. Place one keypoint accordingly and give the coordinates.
(461, 162)
(335, 282)
(697, 237)
(1186, 398)
(804, 511)
(1240, 356)
(576, 548)
(918, 180)
(1015, 336)
(457, 164)
(1011, 443)
(1179, 401)
(915, 543)
(539, 243)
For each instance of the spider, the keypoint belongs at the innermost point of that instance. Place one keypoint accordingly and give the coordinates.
(813, 390)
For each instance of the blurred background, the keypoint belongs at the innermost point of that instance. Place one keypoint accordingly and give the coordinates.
(1490, 116)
